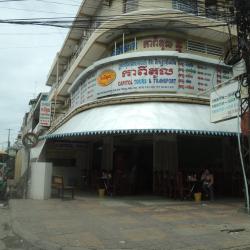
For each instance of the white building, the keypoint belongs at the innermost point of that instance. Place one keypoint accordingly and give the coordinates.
(131, 87)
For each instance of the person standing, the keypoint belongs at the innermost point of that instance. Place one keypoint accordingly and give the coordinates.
(207, 180)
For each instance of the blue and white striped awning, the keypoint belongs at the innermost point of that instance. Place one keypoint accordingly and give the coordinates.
(141, 118)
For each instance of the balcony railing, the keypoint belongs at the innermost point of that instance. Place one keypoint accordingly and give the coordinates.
(189, 6)
(94, 25)
(196, 7)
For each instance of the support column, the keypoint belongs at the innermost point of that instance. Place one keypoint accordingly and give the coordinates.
(107, 153)
(165, 162)
(165, 153)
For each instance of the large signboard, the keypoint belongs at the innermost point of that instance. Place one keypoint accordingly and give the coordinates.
(149, 44)
(45, 114)
(149, 75)
(223, 103)
(160, 43)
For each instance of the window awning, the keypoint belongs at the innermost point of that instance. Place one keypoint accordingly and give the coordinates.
(139, 118)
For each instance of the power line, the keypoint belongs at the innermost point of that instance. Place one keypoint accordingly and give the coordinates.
(31, 34)
(199, 6)
(65, 22)
(38, 11)
(52, 2)
(29, 47)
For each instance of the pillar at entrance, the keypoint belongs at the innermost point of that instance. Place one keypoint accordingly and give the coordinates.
(165, 153)
(41, 174)
(107, 154)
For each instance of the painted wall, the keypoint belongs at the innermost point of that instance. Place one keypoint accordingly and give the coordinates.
(70, 174)
(154, 4)
(115, 9)
(41, 174)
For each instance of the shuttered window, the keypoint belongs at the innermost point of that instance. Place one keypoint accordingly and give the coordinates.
(130, 5)
(204, 48)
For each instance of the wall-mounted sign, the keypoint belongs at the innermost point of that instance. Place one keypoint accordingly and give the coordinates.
(106, 77)
(160, 43)
(149, 75)
(45, 113)
(30, 140)
(223, 103)
(148, 44)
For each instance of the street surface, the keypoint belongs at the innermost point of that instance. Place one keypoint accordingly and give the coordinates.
(123, 223)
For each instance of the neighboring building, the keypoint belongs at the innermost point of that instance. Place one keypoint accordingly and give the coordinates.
(32, 122)
(3, 160)
(130, 87)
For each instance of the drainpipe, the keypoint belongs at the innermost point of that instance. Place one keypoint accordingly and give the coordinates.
(123, 38)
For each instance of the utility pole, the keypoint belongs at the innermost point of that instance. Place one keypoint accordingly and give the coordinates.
(8, 147)
(242, 14)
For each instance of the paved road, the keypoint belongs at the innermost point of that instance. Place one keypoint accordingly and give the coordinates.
(8, 239)
(138, 224)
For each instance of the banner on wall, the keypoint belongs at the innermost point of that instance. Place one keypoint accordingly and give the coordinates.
(150, 75)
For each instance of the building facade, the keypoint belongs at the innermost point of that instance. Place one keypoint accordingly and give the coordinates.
(130, 91)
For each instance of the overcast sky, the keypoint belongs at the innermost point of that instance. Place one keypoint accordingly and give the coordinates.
(26, 54)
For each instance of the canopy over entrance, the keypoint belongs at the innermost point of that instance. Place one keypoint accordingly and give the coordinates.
(142, 118)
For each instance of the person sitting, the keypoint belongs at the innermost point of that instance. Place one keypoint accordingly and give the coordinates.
(207, 180)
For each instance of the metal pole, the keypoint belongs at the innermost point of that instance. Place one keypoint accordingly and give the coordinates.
(123, 42)
(8, 140)
(8, 151)
(242, 160)
(27, 176)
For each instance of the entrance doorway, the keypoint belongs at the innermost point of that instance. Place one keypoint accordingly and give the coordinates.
(133, 168)
(219, 155)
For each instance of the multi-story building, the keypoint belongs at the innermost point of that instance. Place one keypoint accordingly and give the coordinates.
(130, 88)
(31, 124)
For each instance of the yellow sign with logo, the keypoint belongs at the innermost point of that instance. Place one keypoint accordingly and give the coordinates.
(106, 77)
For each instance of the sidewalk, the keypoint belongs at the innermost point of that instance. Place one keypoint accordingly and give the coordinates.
(148, 224)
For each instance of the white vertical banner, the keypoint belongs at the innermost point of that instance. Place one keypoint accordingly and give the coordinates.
(45, 113)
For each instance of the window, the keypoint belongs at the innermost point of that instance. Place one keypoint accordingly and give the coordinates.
(211, 8)
(130, 5)
(107, 3)
(204, 48)
(189, 6)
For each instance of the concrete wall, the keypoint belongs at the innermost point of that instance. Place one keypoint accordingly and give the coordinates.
(71, 175)
(154, 4)
(41, 174)
(115, 9)
(18, 165)
(25, 157)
